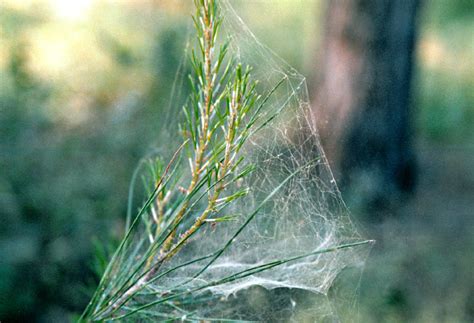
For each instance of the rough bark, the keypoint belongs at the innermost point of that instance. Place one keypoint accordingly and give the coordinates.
(362, 98)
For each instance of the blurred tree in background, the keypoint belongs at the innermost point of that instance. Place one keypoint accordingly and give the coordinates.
(363, 97)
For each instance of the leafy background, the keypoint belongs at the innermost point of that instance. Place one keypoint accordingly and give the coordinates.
(82, 84)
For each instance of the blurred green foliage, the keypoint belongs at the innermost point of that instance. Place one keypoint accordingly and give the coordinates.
(444, 99)
(80, 105)
(64, 174)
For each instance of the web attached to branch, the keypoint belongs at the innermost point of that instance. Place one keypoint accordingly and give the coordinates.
(282, 244)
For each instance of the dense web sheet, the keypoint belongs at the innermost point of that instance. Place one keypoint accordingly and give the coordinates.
(288, 238)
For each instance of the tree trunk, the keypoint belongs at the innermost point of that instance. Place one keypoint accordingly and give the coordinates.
(362, 98)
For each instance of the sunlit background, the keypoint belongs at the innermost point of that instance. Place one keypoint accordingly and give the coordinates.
(82, 84)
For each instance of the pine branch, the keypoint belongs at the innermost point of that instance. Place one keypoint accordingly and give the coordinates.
(222, 113)
(210, 114)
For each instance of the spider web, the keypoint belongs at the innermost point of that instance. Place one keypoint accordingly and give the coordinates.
(293, 222)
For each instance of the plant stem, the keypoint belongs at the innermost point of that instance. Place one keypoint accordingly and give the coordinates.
(204, 136)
